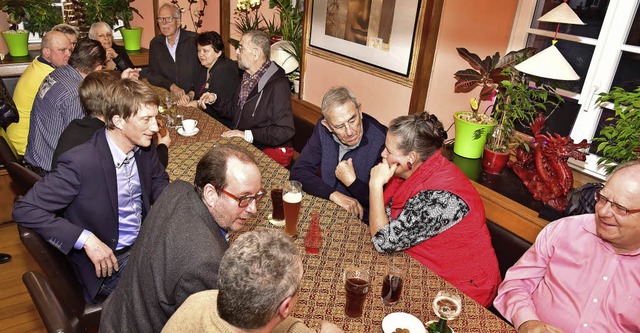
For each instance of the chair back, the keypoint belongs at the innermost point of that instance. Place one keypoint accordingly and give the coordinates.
(61, 278)
(509, 247)
(55, 316)
(23, 178)
(7, 153)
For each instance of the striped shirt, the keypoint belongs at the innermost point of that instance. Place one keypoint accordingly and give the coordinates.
(57, 103)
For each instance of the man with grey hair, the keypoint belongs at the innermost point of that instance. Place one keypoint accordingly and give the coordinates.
(260, 111)
(336, 162)
(56, 50)
(581, 273)
(181, 242)
(258, 286)
(173, 55)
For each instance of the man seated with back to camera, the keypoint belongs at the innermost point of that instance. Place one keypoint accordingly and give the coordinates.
(258, 287)
(336, 162)
(581, 274)
(95, 91)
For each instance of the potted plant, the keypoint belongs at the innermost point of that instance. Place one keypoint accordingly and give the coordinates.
(291, 19)
(246, 18)
(471, 127)
(619, 140)
(110, 11)
(516, 103)
(39, 16)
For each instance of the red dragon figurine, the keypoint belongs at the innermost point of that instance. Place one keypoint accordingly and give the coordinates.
(543, 169)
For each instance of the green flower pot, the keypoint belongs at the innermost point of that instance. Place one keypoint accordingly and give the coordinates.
(470, 137)
(131, 38)
(18, 43)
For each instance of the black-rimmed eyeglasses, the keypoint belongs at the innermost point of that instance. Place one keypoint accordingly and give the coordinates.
(616, 207)
(245, 201)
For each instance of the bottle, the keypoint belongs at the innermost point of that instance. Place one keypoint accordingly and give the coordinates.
(313, 239)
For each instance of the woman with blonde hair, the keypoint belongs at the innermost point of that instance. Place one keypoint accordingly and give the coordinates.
(430, 209)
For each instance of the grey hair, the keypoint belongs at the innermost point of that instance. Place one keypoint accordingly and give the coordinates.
(67, 29)
(94, 26)
(257, 273)
(177, 12)
(422, 133)
(260, 40)
(337, 96)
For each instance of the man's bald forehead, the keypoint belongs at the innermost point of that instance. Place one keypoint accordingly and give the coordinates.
(52, 38)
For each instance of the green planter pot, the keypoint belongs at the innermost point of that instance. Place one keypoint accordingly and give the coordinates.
(18, 43)
(470, 137)
(131, 38)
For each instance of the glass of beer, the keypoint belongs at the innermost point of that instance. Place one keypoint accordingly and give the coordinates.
(292, 199)
(356, 285)
(392, 286)
(277, 214)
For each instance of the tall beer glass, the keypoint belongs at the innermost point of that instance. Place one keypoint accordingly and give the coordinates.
(292, 199)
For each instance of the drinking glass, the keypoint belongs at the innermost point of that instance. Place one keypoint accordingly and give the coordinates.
(277, 214)
(169, 109)
(392, 285)
(292, 200)
(356, 285)
(447, 306)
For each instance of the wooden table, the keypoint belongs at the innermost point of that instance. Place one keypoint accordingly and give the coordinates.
(346, 241)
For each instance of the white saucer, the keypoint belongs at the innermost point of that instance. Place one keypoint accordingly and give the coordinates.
(402, 320)
(181, 132)
(275, 222)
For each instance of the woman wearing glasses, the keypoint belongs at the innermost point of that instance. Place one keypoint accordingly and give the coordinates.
(117, 57)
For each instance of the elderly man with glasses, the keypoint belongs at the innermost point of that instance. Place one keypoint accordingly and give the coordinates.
(581, 275)
(182, 241)
(173, 56)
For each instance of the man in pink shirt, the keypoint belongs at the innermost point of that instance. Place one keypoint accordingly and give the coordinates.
(583, 272)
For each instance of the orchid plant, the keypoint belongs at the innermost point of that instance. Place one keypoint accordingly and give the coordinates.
(246, 18)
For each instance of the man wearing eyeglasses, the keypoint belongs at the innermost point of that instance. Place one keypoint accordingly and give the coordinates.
(582, 275)
(173, 56)
(182, 240)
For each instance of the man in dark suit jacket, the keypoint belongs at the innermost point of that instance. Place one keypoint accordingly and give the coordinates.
(92, 205)
(182, 241)
(173, 57)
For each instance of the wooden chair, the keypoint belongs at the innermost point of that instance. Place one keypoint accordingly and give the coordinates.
(60, 295)
(23, 178)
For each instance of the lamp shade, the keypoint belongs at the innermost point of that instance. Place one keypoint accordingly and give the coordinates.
(561, 14)
(548, 63)
(282, 57)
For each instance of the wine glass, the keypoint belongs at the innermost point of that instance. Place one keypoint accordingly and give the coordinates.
(447, 306)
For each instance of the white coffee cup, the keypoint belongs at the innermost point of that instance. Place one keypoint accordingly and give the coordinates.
(189, 125)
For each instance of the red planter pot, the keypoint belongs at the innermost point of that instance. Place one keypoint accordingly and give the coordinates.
(493, 162)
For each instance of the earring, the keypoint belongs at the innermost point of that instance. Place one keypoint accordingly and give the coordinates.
(409, 165)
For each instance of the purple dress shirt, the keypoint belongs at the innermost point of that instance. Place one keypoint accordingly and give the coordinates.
(572, 279)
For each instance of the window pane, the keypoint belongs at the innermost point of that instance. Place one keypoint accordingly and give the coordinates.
(634, 32)
(627, 74)
(591, 13)
(578, 55)
(602, 122)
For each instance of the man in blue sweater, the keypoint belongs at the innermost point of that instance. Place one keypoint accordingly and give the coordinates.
(345, 145)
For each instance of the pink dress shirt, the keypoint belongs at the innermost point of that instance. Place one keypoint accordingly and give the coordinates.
(573, 280)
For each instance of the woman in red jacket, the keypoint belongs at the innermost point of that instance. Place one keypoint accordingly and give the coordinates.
(430, 209)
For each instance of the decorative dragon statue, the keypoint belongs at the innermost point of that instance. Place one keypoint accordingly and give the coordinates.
(543, 168)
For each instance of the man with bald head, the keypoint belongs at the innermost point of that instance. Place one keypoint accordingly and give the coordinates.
(56, 49)
(581, 274)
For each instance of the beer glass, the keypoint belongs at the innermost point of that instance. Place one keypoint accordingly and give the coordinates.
(277, 214)
(356, 285)
(292, 200)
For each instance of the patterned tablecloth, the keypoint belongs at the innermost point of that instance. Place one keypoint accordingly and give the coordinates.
(346, 241)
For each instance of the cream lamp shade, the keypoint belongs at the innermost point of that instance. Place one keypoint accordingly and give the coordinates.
(282, 57)
(548, 63)
(561, 14)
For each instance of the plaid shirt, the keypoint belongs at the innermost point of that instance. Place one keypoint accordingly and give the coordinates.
(249, 81)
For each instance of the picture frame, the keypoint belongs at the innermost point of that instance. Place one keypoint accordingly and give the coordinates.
(376, 33)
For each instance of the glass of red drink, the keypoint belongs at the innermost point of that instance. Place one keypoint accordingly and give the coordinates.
(392, 286)
(277, 214)
(356, 284)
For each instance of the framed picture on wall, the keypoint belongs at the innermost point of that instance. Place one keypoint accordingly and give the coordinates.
(376, 32)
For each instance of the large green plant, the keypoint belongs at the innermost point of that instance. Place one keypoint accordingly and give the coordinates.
(39, 16)
(291, 19)
(620, 140)
(110, 11)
